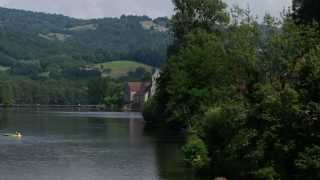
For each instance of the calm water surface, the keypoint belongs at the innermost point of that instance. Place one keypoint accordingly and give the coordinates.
(85, 146)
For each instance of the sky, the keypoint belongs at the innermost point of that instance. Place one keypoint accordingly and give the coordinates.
(114, 8)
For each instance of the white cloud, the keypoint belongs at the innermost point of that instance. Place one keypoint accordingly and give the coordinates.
(261, 7)
(94, 8)
(114, 8)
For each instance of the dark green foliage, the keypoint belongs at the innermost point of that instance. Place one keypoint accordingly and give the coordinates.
(6, 60)
(250, 95)
(81, 73)
(106, 91)
(309, 162)
(62, 91)
(189, 92)
(267, 173)
(26, 68)
(306, 11)
(196, 153)
(6, 93)
(192, 14)
(21, 90)
(149, 110)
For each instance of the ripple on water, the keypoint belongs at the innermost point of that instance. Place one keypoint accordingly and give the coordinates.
(83, 146)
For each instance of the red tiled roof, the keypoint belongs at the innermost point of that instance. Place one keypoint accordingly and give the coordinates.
(138, 87)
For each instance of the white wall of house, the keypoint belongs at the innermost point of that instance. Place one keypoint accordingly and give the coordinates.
(155, 77)
(132, 95)
(146, 96)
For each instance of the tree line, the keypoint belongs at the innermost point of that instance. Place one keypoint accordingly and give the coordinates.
(246, 92)
(93, 90)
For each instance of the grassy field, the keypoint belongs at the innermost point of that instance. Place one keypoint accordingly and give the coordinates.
(84, 27)
(3, 68)
(118, 69)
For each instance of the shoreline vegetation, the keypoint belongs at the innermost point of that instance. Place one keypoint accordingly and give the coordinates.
(72, 108)
(102, 90)
(245, 92)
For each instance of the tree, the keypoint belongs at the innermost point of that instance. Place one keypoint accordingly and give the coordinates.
(249, 97)
(200, 73)
(106, 91)
(6, 93)
(197, 14)
(306, 11)
(191, 16)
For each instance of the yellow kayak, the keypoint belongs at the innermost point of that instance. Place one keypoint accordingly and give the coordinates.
(16, 135)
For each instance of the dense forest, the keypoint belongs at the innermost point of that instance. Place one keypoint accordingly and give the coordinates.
(52, 59)
(55, 39)
(245, 92)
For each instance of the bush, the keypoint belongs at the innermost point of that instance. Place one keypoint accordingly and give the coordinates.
(309, 162)
(150, 111)
(196, 153)
(267, 173)
(221, 123)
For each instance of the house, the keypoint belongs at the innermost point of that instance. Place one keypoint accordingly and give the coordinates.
(136, 94)
(153, 87)
(151, 90)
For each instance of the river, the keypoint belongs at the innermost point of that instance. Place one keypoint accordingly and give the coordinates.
(86, 146)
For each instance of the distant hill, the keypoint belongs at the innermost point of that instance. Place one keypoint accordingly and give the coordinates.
(36, 43)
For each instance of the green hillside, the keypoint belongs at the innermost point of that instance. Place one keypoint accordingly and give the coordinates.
(118, 69)
(54, 59)
(60, 44)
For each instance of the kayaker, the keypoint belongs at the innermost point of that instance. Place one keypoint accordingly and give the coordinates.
(18, 134)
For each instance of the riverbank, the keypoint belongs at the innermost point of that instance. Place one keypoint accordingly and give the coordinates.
(72, 108)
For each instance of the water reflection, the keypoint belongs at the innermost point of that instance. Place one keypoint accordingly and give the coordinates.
(4, 119)
(83, 146)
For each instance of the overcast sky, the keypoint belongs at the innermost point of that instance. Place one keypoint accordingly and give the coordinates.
(114, 8)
